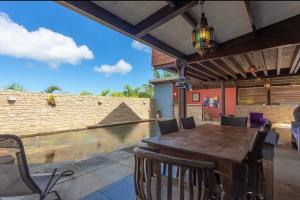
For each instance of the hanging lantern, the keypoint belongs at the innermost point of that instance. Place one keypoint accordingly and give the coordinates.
(252, 69)
(203, 36)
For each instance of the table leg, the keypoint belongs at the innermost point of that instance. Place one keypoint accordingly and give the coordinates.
(239, 181)
(234, 186)
(226, 187)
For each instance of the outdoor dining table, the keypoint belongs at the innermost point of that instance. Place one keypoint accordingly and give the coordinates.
(226, 146)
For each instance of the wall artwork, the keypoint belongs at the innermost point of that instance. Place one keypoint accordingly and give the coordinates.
(211, 102)
(196, 97)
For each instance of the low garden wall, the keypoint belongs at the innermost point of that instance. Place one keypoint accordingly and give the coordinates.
(274, 113)
(23, 113)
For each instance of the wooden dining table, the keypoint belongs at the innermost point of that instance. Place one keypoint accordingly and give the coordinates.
(226, 146)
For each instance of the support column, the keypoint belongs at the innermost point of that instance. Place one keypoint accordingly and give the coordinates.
(223, 96)
(182, 92)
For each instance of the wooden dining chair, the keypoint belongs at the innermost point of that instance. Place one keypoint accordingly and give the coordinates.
(234, 121)
(255, 164)
(188, 123)
(167, 126)
(150, 184)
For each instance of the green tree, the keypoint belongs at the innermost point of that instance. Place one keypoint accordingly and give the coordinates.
(117, 94)
(156, 74)
(104, 93)
(85, 93)
(129, 91)
(14, 86)
(165, 74)
(169, 74)
(147, 91)
(52, 89)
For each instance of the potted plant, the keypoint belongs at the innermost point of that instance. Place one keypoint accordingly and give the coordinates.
(157, 112)
(51, 100)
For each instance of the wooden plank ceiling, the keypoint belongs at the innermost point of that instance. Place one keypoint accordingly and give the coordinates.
(264, 34)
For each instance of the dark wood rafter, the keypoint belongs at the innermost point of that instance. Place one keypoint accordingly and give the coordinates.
(196, 67)
(278, 34)
(243, 63)
(162, 16)
(250, 15)
(222, 68)
(186, 15)
(232, 66)
(279, 59)
(262, 62)
(212, 70)
(295, 59)
(99, 14)
(195, 76)
(199, 74)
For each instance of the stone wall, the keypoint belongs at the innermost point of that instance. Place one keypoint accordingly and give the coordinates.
(193, 110)
(274, 113)
(30, 113)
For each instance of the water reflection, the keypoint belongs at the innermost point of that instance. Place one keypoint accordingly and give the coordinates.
(79, 145)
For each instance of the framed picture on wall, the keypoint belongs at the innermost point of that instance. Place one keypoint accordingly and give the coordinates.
(196, 97)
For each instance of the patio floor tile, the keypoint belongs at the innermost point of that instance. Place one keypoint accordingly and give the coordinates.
(117, 155)
(93, 164)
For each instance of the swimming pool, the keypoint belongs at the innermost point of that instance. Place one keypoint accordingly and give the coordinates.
(78, 145)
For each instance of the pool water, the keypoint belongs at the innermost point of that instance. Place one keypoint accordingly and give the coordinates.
(78, 145)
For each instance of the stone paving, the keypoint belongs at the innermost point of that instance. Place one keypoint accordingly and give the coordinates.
(89, 175)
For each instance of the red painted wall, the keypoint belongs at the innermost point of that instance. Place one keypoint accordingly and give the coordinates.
(230, 99)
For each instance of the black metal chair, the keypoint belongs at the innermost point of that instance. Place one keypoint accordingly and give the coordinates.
(15, 178)
(167, 126)
(255, 164)
(234, 121)
(188, 123)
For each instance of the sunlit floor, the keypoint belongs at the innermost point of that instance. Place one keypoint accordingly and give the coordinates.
(106, 177)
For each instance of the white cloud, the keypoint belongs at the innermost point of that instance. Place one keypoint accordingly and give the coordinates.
(41, 45)
(140, 46)
(121, 67)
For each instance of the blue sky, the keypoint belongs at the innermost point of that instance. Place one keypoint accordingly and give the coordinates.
(44, 43)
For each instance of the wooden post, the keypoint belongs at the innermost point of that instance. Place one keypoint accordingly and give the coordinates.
(182, 92)
(223, 96)
(237, 96)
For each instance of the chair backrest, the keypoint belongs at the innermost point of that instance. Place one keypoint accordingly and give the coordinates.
(151, 184)
(15, 179)
(188, 123)
(234, 121)
(167, 126)
(258, 143)
(256, 117)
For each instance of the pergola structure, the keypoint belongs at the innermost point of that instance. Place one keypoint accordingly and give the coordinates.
(260, 33)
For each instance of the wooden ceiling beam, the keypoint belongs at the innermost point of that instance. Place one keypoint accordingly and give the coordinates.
(162, 16)
(100, 15)
(186, 15)
(199, 74)
(250, 15)
(295, 59)
(222, 68)
(230, 64)
(243, 63)
(203, 72)
(196, 76)
(279, 59)
(262, 61)
(278, 34)
(212, 70)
